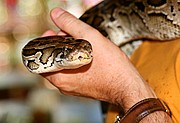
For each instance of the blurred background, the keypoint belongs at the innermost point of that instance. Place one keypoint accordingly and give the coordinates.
(25, 97)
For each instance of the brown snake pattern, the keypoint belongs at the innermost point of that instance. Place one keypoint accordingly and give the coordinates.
(121, 21)
(127, 20)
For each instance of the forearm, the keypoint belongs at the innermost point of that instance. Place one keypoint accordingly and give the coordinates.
(136, 89)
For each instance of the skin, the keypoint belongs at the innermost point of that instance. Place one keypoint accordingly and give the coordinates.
(110, 77)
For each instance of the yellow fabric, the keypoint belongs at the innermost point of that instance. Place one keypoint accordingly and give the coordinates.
(159, 64)
(111, 114)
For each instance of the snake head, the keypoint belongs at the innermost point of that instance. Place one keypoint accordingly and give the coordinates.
(75, 54)
(54, 53)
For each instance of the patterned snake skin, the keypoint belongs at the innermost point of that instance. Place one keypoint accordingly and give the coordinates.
(128, 20)
(122, 21)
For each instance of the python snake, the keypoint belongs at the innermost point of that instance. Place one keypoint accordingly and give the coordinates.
(121, 21)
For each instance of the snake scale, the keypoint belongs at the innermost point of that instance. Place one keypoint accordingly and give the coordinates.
(121, 21)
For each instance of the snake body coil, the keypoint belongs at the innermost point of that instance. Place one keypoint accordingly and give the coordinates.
(121, 21)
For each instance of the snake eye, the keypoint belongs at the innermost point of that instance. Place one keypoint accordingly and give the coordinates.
(80, 58)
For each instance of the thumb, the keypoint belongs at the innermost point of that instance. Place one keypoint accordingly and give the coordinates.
(72, 25)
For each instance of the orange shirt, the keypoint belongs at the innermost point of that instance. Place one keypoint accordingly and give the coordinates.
(159, 64)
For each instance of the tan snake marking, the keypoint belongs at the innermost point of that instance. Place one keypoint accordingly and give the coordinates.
(121, 21)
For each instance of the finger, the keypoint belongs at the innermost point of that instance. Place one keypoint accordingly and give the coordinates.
(48, 33)
(71, 25)
(62, 33)
(52, 33)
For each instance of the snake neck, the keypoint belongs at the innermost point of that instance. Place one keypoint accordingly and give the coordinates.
(126, 20)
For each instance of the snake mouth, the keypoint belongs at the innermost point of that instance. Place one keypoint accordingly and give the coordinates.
(80, 56)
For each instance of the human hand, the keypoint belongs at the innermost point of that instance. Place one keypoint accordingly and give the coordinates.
(109, 76)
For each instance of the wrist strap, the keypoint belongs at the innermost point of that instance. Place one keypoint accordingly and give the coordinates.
(141, 109)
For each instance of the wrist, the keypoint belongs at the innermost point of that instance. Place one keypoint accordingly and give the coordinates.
(144, 109)
(133, 90)
(135, 94)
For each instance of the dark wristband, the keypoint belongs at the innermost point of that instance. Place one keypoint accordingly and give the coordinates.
(141, 109)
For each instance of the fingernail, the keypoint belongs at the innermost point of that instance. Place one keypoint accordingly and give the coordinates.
(57, 12)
